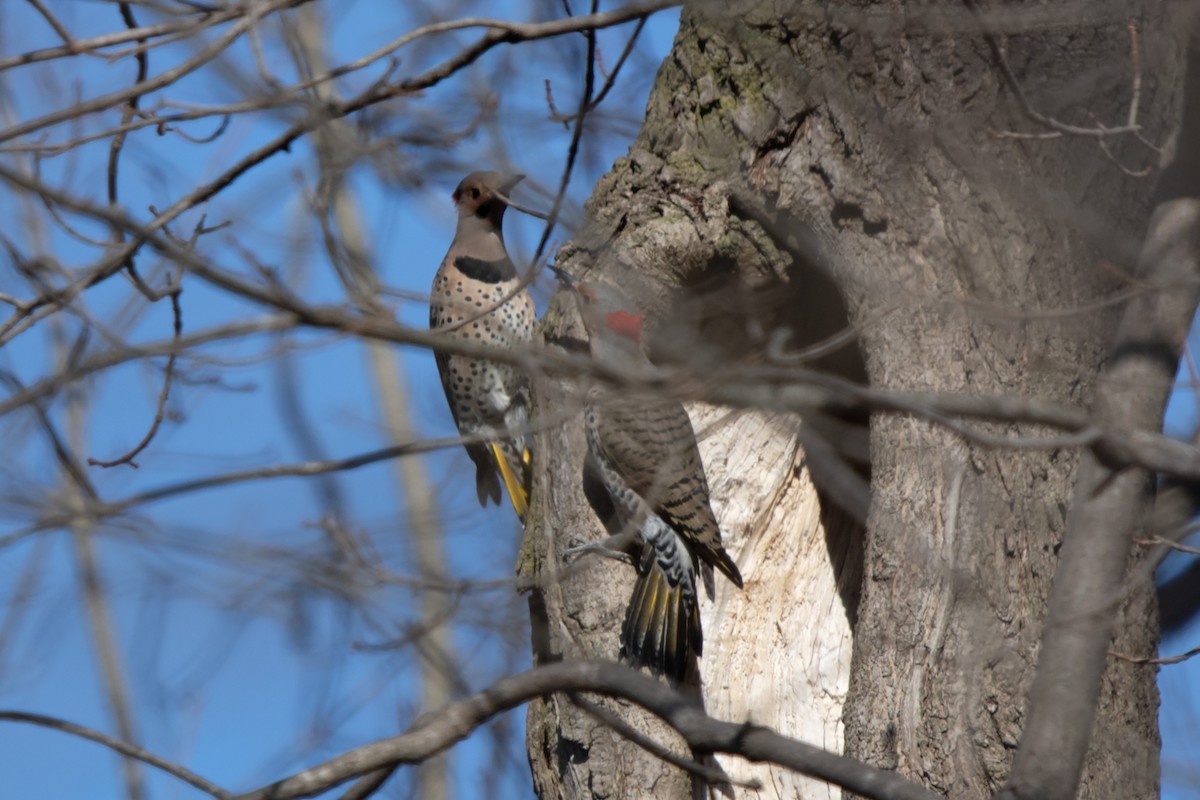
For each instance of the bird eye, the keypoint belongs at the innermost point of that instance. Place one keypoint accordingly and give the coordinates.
(475, 192)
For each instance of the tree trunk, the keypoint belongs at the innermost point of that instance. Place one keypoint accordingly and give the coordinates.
(968, 261)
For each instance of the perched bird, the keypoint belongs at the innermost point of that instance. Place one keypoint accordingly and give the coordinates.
(643, 449)
(477, 296)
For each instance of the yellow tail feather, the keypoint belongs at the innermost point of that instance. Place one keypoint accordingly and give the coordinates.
(514, 485)
(662, 627)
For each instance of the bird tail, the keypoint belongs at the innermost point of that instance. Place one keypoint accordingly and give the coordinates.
(514, 475)
(662, 624)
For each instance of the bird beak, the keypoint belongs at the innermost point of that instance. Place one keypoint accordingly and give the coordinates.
(565, 280)
(507, 186)
(510, 183)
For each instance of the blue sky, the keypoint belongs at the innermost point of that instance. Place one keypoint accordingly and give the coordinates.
(240, 670)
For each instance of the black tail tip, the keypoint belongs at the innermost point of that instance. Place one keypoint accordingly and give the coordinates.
(675, 673)
(662, 632)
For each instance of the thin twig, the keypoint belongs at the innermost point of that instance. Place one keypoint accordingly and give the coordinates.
(253, 14)
(1155, 661)
(1135, 59)
(161, 408)
(1010, 81)
(1159, 541)
(120, 355)
(589, 83)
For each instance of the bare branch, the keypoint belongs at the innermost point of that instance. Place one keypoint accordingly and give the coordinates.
(124, 748)
(437, 731)
(186, 27)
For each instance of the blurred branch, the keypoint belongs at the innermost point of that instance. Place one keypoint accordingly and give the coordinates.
(120, 355)
(58, 27)
(190, 27)
(250, 16)
(339, 212)
(107, 509)
(81, 496)
(1169, 545)
(504, 32)
(1056, 127)
(771, 388)
(499, 32)
(116, 685)
(1110, 503)
(585, 105)
(610, 79)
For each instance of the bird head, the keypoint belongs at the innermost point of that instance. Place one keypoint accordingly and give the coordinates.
(484, 195)
(613, 320)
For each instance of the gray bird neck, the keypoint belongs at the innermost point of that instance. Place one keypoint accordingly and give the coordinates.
(481, 238)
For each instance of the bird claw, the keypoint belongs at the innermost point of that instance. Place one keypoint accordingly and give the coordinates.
(610, 547)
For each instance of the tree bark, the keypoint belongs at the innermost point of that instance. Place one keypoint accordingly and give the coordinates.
(791, 159)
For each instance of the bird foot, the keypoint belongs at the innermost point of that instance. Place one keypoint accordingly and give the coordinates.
(614, 547)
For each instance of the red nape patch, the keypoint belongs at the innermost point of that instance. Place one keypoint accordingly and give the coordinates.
(626, 324)
(454, 197)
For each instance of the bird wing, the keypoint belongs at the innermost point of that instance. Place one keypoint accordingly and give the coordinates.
(508, 458)
(651, 443)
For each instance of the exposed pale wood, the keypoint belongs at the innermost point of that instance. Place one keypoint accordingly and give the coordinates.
(777, 653)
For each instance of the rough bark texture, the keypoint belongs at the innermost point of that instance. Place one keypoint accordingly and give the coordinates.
(872, 134)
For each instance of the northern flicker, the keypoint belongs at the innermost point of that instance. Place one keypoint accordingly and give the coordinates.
(477, 296)
(643, 449)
